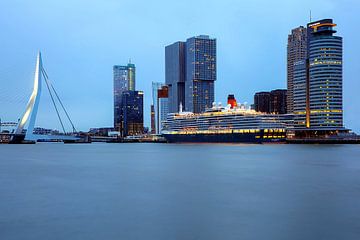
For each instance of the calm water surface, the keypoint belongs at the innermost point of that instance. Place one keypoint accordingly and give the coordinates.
(181, 191)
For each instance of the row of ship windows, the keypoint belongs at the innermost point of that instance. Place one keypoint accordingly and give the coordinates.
(221, 126)
(207, 126)
(225, 131)
(203, 121)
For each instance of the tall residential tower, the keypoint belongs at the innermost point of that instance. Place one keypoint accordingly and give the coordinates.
(296, 51)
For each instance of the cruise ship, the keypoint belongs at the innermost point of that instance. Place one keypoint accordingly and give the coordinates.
(226, 125)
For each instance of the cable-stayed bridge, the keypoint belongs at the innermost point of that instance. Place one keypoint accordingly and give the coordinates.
(25, 127)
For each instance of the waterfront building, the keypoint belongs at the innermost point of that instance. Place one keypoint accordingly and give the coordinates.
(103, 131)
(262, 102)
(296, 51)
(200, 73)
(152, 119)
(175, 74)
(132, 110)
(300, 94)
(190, 73)
(318, 101)
(278, 101)
(163, 107)
(160, 99)
(124, 80)
(271, 102)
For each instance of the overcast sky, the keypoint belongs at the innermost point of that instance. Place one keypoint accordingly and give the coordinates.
(81, 40)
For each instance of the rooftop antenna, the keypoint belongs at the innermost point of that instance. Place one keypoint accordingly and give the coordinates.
(310, 16)
(129, 60)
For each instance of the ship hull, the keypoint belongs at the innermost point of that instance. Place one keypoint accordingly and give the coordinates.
(222, 138)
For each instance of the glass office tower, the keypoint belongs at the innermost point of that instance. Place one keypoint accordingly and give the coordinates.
(124, 80)
(318, 80)
(133, 113)
(325, 76)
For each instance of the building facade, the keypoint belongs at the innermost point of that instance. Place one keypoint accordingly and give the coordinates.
(160, 100)
(300, 99)
(200, 73)
(278, 101)
(124, 80)
(262, 102)
(175, 74)
(271, 102)
(152, 119)
(190, 73)
(319, 79)
(163, 107)
(296, 51)
(132, 110)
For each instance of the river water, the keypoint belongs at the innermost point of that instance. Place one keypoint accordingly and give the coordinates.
(179, 191)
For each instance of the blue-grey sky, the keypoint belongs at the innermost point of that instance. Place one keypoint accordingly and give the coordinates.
(82, 39)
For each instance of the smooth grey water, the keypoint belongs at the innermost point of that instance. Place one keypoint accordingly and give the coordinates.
(184, 191)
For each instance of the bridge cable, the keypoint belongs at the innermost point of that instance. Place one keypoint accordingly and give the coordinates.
(58, 98)
(52, 98)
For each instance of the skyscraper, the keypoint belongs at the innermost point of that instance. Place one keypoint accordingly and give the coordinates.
(318, 80)
(200, 73)
(124, 79)
(296, 51)
(190, 73)
(132, 113)
(175, 74)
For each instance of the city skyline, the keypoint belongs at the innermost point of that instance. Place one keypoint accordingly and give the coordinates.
(236, 65)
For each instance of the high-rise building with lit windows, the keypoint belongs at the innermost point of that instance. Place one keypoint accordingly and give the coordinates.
(200, 73)
(318, 80)
(190, 73)
(132, 113)
(296, 51)
(124, 80)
